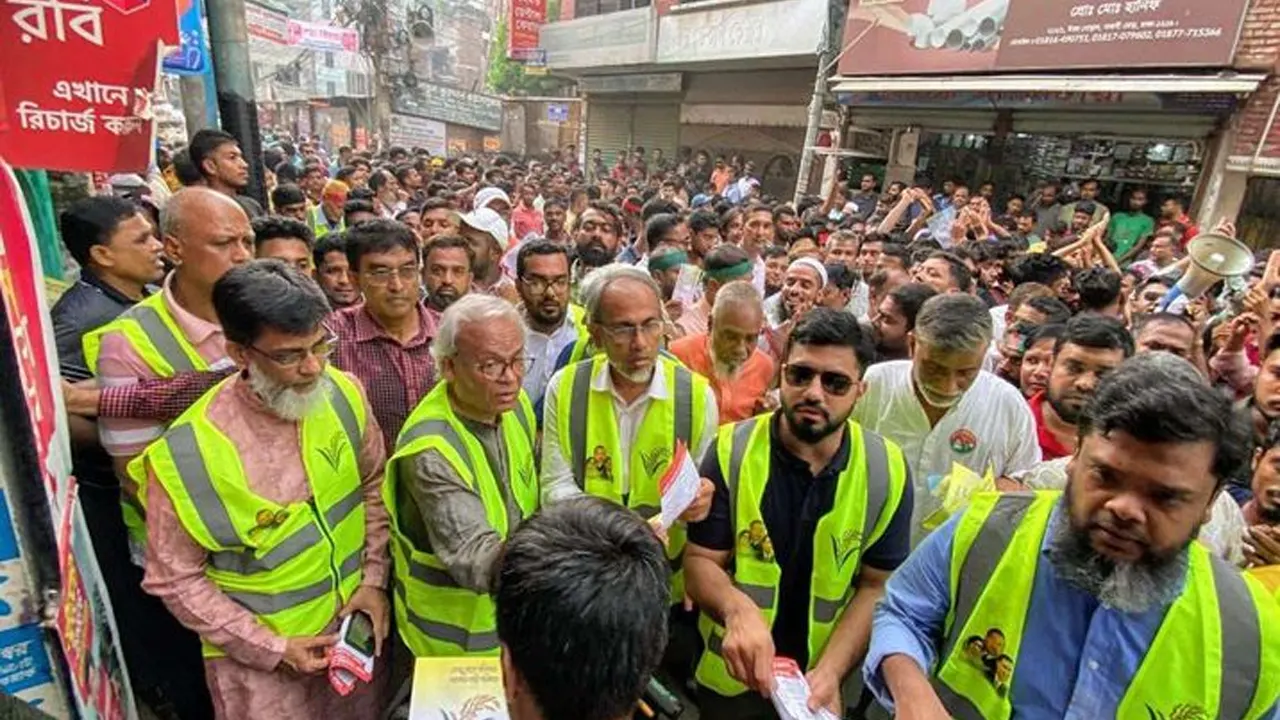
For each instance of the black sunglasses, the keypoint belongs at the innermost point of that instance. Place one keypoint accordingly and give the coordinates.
(833, 383)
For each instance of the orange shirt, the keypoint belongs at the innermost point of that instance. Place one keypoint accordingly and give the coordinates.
(737, 397)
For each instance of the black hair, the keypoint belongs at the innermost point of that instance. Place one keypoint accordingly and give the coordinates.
(350, 207)
(287, 194)
(185, 170)
(379, 178)
(1042, 268)
(1168, 318)
(611, 213)
(784, 209)
(960, 274)
(560, 586)
(344, 173)
(449, 242)
(702, 220)
(331, 242)
(266, 294)
(314, 168)
(1159, 398)
(378, 236)
(402, 171)
(205, 143)
(657, 226)
(1047, 331)
(92, 221)
(840, 276)
(824, 327)
(1099, 287)
(771, 251)
(1053, 309)
(1098, 332)
(894, 250)
(658, 206)
(274, 227)
(538, 247)
(285, 172)
(1086, 206)
(361, 193)
(910, 298)
(434, 203)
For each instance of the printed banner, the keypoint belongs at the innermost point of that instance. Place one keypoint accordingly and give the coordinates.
(413, 132)
(949, 36)
(316, 36)
(527, 17)
(267, 24)
(77, 80)
(192, 55)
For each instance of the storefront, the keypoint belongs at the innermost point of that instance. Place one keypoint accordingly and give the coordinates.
(472, 121)
(629, 111)
(998, 114)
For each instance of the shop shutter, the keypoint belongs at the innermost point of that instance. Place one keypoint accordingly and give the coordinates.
(656, 126)
(608, 129)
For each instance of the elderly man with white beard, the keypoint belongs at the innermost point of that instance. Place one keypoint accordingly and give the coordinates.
(1093, 602)
(265, 523)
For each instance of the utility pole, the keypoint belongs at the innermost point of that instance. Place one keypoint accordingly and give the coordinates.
(229, 41)
(828, 55)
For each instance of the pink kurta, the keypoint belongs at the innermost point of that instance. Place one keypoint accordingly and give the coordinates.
(251, 681)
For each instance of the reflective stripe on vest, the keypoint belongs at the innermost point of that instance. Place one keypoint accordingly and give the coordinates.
(479, 642)
(272, 603)
(168, 354)
(162, 337)
(1240, 631)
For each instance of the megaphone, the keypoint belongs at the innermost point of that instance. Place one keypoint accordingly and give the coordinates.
(1214, 257)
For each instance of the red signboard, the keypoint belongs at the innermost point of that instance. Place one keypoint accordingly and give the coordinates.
(77, 78)
(523, 28)
(955, 36)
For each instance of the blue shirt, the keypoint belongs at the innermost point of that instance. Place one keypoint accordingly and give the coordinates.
(1077, 657)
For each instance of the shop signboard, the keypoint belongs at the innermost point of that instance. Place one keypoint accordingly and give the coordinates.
(76, 82)
(558, 112)
(322, 37)
(1220, 104)
(626, 37)
(415, 132)
(527, 17)
(459, 107)
(741, 31)
(191, 57)
(918, 37)
(267, 24)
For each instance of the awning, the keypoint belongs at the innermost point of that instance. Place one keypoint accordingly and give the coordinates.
(1185, 83)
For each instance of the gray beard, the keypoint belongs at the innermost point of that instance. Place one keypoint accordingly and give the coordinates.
(285, 402)
(1127, 587)
(724, 370)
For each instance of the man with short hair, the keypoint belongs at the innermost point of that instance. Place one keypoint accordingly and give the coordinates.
(584, 568)
(896, 319)
(386, 194)
(864, 201)
(788, 486)
(461, 480)
(775, 267)
(437, 218)
(358, 210)
(1129, 230)
(333, 272)
(1166, 332)
(757, 234)
(526, 219)
(289, 201)
(1147, 296)
(284, 239)
(596, 239)
(727, 354)
(941, 408)
(555, 213)
(1110, 563)
(1088, 205)
(1173, 216)
(1090, 347)
(1162, 257)
(838, 291)
(723, 264)
(1099, 291)
(216, 154)
(312, 183)
(611, 423)
(265, 524)
(552, 323)
(386, 340)
(446, 271)
(941, 224)
(945, 272)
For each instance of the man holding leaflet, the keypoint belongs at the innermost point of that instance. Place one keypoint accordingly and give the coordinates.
(803, 478)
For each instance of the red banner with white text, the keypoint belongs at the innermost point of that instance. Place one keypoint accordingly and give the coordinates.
(524, 26)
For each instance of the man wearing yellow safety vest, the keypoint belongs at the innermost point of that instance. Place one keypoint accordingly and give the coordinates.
(611, 423)
(265, 519)
(328, 216)
(811, 514)
(1095, 602)
(461, 479)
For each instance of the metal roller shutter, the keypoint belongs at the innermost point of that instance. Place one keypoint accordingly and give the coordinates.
(656, 126)
(608, 129)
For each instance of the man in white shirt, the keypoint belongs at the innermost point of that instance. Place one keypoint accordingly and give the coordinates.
(542, 279)
(943, 409)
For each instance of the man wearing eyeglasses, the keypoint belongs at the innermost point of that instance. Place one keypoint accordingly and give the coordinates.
(611, 423)
(265, 521)
(461, 479)
(811, 514)
(542, 278)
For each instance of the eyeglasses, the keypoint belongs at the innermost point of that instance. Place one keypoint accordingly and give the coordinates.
(833, 383)
(539, 285)
(495, 369)
(649, 329)
(382, 276)
(289, 359)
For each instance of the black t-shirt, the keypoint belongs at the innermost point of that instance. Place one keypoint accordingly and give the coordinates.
(794, 501)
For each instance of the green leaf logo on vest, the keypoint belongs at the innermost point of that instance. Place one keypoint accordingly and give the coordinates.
(656, 460)
(845, 547)
(1181, 711)
(332, 453)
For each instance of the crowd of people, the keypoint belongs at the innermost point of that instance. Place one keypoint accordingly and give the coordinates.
(448, 393)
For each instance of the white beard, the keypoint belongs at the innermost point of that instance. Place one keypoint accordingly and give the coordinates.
(638, 378)
(285, 402)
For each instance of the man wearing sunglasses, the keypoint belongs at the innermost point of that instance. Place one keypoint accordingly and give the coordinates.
(788, 486)
(265, 521)
(943, 409)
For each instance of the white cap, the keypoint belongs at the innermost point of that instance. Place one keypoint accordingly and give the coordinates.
(488, 195)
(489, 221)
(813, 265)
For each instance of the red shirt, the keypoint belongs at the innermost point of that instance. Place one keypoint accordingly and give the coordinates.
(1050, 448)
(736, 398)
(1186, 226)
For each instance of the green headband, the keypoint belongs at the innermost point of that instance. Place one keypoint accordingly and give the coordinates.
(666, 261)
(730, 273)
